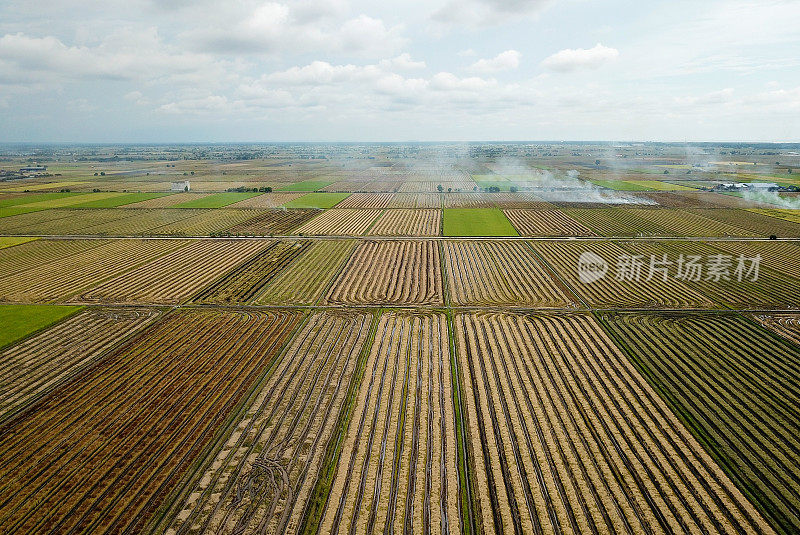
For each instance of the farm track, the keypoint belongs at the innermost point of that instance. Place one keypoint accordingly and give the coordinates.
(261, 479)
(697, 362)
(174, 277)
(501, 273)
(37, 364)
(93, 457)
(568, 437)
(399, 272)
(246, 282)
(398, 467)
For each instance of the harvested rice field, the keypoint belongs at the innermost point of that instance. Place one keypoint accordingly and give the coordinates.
(306, 279)
(698, 361)
(344, 222)
(390, 272)
(59, 279)
(567, 435)
(263, 474)
(501, 273)
(357, 338)
(545, 223)
(397, 466)
(273, 222)
(172, 278)
(37, 364)
(94, 457)
(400, 222)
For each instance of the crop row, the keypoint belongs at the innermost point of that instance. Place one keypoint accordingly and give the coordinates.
(37, 364)
(261, 477)
(737, 389)
(100, 452)
(567, 436)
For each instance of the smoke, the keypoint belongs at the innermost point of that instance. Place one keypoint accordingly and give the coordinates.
(569, 188)
(772, 197)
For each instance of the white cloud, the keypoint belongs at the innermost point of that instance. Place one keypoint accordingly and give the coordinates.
(572, 59)
(403, 62)
(501, 62)
(273, 28)
(215, 103)
(124, 56)
(479, 13)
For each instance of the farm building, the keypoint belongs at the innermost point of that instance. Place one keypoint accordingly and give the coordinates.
(183, 185)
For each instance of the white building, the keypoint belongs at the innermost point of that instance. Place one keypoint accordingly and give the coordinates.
(180, 186)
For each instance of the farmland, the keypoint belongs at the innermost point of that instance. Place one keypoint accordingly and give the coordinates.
(172, 278)
(48, 358)
(554, 410)
(401, 222)
(21, 320)
(697, 362)
(398, 464)
(370, 338)
(396, 272)
(500, 273)
(281, 438)
(71, 465)
(340, 222)
(477, 222)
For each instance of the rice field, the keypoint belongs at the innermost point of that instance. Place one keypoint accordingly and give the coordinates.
(390, 272)
(340, 222)
(76, 463)
(698, 361)
(401, 222)
(567, 435)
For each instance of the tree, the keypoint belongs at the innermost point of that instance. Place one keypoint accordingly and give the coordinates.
(597, 162)
(513, 189)
(449, 190)
(185, 188)
(440, 188)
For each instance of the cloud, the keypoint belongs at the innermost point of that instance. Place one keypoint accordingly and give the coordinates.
(402, 62)
(501, 62)
(124, 56)
(573, 59)
(486, 12)
(273, 28)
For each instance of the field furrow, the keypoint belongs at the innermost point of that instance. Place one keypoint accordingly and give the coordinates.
(94, 457)
(261, 478)
(567, 436)
(398, 470)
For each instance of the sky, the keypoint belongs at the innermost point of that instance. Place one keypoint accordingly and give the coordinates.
(437, 70)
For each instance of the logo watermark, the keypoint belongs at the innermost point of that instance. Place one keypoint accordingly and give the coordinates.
(714, 267)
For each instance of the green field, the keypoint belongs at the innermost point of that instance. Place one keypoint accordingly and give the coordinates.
(306, 185)
(7, 201)
(477, 222)
(21, 320)
(120, 200)
(17, 210)
(10, 242)
(218, 200)
(317, 200)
